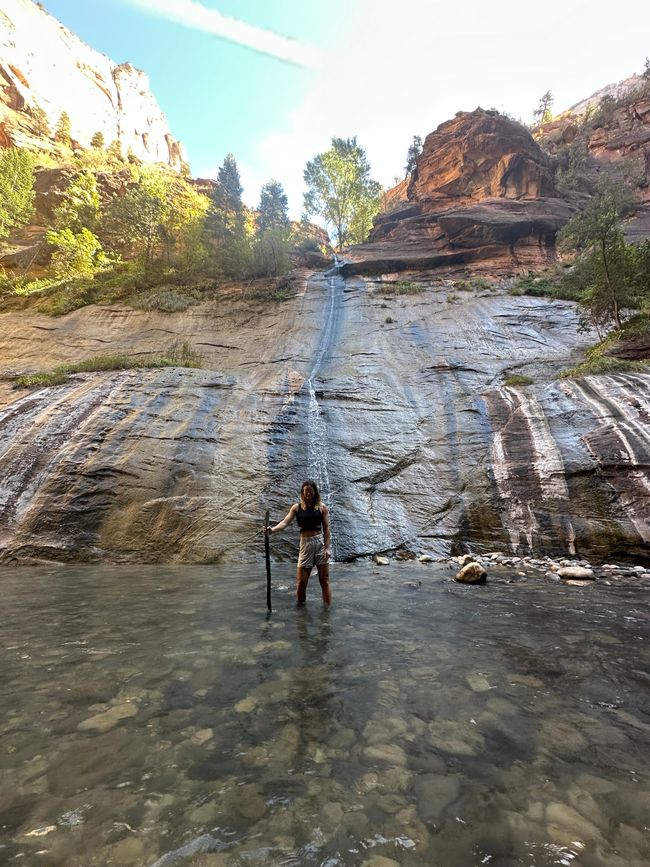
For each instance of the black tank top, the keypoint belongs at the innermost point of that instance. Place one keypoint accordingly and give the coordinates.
(309, 519)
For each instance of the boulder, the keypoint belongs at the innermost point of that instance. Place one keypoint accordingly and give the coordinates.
(464, 559)
(472, 573)
(579, 572)
(381, 561)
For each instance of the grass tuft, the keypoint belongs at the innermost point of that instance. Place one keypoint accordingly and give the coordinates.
(177, 356)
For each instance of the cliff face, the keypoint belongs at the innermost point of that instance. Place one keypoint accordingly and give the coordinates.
(482, 192)
(43, 64)
(406, 421)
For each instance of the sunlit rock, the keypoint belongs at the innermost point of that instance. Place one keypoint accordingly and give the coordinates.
(472, 573)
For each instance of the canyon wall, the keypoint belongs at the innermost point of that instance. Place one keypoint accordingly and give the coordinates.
(44, 65)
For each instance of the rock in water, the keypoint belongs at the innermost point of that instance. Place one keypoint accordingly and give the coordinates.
(579, 572)
(381, 561)
(472, 573)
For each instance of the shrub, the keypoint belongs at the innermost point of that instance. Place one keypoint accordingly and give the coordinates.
(517, 379)
(167, 299)
(402, 287)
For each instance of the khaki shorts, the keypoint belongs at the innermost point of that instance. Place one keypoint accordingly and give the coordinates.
(312, 552)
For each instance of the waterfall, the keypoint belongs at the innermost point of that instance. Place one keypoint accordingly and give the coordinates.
(317, 438)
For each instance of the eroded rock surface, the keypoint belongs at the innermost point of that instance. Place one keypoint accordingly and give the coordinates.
(418, 443)
(483, 191)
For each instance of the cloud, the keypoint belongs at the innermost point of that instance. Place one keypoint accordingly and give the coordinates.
(196, 16)
(398, 69)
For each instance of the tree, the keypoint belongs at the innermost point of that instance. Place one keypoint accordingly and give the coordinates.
(273, 212)
(604, 269)
(80, 209)
(63, 131)
(98, 141)
(135, 220)
(41, 121)
(646, 69)
(76, 254)
(16, 189)
(228, 192)
(543, 113)
(162, 215)
(414, 151)
(340, 190)
(115, 151)
(226, 223)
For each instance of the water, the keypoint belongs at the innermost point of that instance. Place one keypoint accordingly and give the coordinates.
(317, 437)
(156, 716)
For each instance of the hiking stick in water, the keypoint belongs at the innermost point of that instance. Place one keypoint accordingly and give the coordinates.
(267, 551)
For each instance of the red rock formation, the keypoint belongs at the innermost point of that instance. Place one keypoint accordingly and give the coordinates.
(479, 155)
(482, 192)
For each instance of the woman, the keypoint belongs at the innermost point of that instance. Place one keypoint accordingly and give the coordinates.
(313, 519)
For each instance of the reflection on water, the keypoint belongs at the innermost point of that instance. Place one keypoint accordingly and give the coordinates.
(155, 716)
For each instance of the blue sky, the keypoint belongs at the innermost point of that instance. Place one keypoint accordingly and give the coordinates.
(395, 68)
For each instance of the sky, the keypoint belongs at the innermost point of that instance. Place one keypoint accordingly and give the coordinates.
(272, 81)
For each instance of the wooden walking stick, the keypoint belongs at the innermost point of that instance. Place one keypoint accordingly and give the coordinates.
(267, 551)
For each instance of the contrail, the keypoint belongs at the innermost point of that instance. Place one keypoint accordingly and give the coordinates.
(192, 14)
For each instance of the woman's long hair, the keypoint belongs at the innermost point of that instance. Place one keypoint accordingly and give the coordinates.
(315, 503)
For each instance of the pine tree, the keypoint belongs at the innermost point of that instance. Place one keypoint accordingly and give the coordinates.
(228, 192)
(98, 141)
(543, 113)
(412, 155)
(273, 212)
(63, 131)
(41, 122)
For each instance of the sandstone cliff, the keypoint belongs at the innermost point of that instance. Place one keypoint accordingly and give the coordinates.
(43, 64)
(482, 192)
(398, 404)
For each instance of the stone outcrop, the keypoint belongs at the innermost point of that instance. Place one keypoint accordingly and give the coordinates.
(482, 192)
(44, 65)
(424, 446)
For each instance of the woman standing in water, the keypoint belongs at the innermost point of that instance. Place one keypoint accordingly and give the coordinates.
(313, 519)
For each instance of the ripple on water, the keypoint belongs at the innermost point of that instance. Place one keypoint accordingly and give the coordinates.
(140, 732)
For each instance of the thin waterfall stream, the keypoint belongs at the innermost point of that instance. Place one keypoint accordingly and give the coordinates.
(317, 438)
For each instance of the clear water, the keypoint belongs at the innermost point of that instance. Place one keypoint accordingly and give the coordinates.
(156, 716)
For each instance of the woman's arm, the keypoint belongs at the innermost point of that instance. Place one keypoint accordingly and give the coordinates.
(291, 514)
(326, 530)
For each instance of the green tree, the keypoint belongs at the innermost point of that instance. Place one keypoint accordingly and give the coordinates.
(98, 141)
(160, 216)
(16, 189)
(646, 69)
(229, 234)
(135, 221)
(228, 192)
(604, 268)
(77, 251)
(76, 254)
(340, 190)
(273, 212)
(63, 131)
(414, 151)
(543, 113)
(41, 121)
(115, 151)
(80, 208)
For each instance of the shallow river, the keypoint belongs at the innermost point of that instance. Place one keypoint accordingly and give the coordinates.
(155, 716)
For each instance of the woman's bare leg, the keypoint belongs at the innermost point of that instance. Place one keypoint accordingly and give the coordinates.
(302, 579)
(324, 578)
